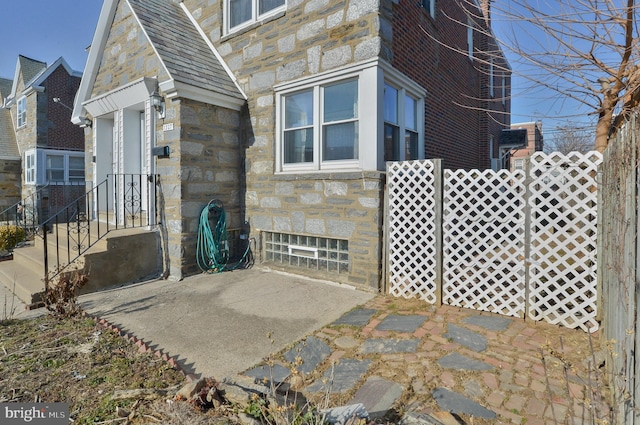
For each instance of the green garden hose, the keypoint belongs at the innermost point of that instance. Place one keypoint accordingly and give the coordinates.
(212, 250)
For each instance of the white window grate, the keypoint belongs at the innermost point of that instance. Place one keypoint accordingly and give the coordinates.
(310, 252)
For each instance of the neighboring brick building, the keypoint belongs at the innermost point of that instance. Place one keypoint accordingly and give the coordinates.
(534, 143)
(288, 115)
(50, 145)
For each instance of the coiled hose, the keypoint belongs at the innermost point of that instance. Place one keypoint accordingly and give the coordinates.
(212, 250)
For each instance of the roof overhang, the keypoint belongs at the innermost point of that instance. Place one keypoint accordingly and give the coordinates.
(175, 89)
(120, 98)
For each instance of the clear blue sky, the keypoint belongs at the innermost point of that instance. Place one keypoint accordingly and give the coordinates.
(44, 30)
(47, 29)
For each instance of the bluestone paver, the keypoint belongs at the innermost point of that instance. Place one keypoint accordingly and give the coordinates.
(312, 351)
(341, 377)
(472, 340)
(456, 403)
(276, 373)
(387, 345)
(461, 362)
(378, 396)
(357, 317)
(401, 323)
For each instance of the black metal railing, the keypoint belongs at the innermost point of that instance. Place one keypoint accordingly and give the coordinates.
(26, 213)
(121, 201)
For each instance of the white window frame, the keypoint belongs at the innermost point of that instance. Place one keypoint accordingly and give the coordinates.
(21, 114)
(371, 76)
(255, 16)
(30, 169)
(402, 94)
(42, 172)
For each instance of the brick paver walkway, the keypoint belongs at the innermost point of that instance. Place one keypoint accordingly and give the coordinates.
(524, 372)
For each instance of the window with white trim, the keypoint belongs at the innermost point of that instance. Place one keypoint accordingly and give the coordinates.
(240, 13)
(320, 126)
(337, 120)
(22, 112)
(55, 168)
(30, 167)
(48, 166)
(400, 118)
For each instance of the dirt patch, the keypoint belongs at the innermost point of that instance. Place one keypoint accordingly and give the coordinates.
(76, 361)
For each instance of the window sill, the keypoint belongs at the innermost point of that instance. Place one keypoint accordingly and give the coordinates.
(329, 175)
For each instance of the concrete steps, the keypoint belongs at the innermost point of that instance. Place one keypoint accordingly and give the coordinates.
(121, 256)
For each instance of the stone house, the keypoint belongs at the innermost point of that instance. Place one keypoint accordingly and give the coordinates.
(9, 154)
(50, 147)
(286, 112)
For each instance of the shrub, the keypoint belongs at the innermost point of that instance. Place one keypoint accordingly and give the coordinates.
(10, 236)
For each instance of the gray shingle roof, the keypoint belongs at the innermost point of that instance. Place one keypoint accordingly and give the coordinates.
(5, 88)
(182, 49)
(8, 144)
(30, 68)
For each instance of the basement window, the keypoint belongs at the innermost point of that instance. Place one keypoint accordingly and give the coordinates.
(309, 252)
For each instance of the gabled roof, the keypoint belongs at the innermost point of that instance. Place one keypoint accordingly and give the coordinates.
(5, 89)
(181, 47)
(29, 68)
(195, 68)
(8, 144)
(34, 73)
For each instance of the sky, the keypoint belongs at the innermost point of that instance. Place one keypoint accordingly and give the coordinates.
(44, 30)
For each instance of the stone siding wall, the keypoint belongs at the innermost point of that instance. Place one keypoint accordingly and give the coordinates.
(128, 55)
(205, 164)
(343, 206)
(311, 37)
(54, 124)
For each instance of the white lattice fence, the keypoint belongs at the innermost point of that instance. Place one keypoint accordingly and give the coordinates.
(563, 271)
(484, 233)
(483, 241)
(411, 225)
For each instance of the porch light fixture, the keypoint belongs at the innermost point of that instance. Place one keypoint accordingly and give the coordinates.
(158, 104)
(85, 122)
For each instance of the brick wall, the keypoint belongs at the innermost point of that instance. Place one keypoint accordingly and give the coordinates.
(457, 107)
(55, 129)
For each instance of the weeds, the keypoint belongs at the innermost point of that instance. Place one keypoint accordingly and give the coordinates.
(60, 298)
(9, 306)
(598, 401)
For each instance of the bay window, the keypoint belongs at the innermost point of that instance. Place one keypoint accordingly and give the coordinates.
(351, 119)
(57, 167)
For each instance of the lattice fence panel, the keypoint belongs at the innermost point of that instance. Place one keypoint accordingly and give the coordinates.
(411, 230)
(483, 235)
(563, 271)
